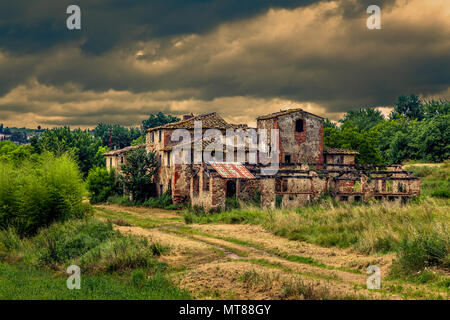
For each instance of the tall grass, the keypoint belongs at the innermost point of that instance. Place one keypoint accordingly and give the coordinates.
(435, 181)
(91, 244)
(35, 194)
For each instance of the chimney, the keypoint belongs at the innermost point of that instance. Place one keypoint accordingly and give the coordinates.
(187, 116)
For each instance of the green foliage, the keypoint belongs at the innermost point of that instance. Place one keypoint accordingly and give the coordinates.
(422, 251)
(158, 120)
(106, 257)
(18, 282)
(348, 136)
(86, 149)
(121, 137)
(414, 131)
(36, 194)
(137, 173)
(102, 184)
(364, 119)
(138, 141)
(120, 200)
(232, 203)
(91, 244)
(163, 202)
(435, 181)
(409, 107)
(15, 154)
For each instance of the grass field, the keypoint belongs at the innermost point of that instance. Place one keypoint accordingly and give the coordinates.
(113, 266)
(320, 251)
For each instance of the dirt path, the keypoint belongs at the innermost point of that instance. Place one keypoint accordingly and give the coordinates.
(224, 261)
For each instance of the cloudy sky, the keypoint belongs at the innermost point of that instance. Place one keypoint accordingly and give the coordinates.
(241, 58)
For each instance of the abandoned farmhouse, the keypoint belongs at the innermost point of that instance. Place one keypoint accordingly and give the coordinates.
(306, 171)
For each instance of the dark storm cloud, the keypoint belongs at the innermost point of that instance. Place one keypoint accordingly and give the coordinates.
(30, 26)
(223, 56)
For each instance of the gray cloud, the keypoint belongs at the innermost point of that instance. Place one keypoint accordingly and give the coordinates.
(320, 56)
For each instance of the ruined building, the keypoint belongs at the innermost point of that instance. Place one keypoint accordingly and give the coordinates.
(306, 171)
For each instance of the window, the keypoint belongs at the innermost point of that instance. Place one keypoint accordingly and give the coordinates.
(110, 162)
(287, 158)
(121, 159)
(168, 158)
(159, 135)
(153, 136)
(299, 125)
(161, 189)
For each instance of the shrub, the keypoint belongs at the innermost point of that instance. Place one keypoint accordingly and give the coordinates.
(120, 254)
(424, 250)
(163, 202)
(102, 184)
(231, 203)
(120, 200)
(65, 241)
(35, 194)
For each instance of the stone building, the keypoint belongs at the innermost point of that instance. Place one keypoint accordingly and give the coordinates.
(305, 171)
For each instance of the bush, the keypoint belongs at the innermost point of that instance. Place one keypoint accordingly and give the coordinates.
(120, 200)
(35, 194)
(62, 242)
(120, 254)
(102, 184)
(422, 251)
(163, 202)
(91, 244)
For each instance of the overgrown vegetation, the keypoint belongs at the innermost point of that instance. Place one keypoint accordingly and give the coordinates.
(102, 184)
(96, 248)
(37, 193)
(418, 232)
(415, 130)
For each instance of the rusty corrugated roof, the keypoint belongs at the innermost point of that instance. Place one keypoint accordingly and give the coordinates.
(233, 170)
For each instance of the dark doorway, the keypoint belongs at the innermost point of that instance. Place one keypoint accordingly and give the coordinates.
(231, 188)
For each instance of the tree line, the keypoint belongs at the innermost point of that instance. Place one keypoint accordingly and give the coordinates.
(414, 130)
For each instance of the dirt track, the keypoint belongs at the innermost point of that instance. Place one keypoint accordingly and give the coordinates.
(232, 261)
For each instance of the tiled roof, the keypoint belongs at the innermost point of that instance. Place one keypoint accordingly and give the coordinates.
(284, 112)
(340, 151)
(124, 150)
(209, 121)
(206, 142)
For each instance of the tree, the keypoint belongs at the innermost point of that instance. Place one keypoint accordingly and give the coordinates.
(12, 153)
(102, 184)
(436, 108)
(431, 139)
(116, 136)
(364, 119)
(137, 173)
(411, 107)
(85, 149)
(158, 120)
(348, 136)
